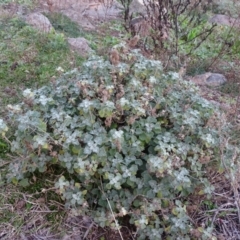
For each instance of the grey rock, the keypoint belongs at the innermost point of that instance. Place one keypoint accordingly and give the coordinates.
(199, 79)
(137, 6)
(81, 20)
(216, 79)
(140, 26)
(225, 20)
(80, 45)
(84, 12)
(209, 79)
(40, 22)
(104, 11)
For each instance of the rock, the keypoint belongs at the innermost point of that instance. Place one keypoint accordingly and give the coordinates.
(216, 79)
(80, 45)
(140, 26)
(84, 12)
(137, 6)
(81, 20)
(199, 79)
(209, 79)
(105, 11)
(58, 5)
(40, 22)
(225, 20)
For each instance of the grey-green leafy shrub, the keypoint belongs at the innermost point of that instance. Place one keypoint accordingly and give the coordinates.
(128, 136)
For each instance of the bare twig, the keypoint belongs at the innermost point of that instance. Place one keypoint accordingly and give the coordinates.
(115, 220)
(88, 230)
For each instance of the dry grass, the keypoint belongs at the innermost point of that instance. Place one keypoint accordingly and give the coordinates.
(221, 210)
(25, 216)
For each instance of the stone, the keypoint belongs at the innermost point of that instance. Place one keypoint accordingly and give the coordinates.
(225, 20)
(140, 26)
(104, 11)
(209, 79)
(82, 21)
(40, 22)
(137, 6)
(58, 5)
(216, 79)
(80, 45)
(84, 12)
(199, 79)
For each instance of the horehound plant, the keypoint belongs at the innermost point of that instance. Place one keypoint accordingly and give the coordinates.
(127, 130)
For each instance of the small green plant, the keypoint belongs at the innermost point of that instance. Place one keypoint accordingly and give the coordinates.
(4, 148)
(221, 45)
(129, 138)
(23, 2)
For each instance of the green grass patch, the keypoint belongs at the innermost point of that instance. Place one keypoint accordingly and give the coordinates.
(30, 59)
(4, 148)
(98, 42)
(22, 2)
(65, 25)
